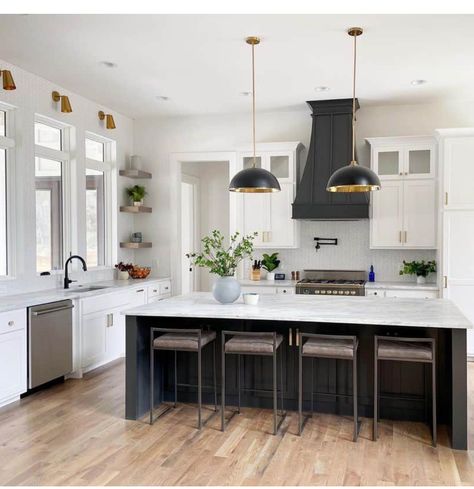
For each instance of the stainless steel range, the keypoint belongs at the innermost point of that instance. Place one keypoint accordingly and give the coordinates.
(332, 282)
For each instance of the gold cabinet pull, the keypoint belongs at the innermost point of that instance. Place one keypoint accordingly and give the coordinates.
(445, 281)
(297, 337)
(445, 198)
(400, 236)
(406, 236)
(290, 337)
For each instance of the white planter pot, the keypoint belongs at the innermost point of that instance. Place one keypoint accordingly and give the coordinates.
(420, 280)
(123, 275)
(226, 290)
(270, 275)
(138, 204)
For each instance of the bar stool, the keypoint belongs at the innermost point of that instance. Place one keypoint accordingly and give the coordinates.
(253, 343)
(421, 350)
(327, 346)
(190, 340)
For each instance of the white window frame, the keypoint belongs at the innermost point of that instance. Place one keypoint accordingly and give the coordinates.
(7, 143)
(64, 156)
(108, 167)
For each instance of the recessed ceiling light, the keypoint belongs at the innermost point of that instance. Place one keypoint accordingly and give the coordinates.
(418, 82)
(162, 98)
(322, 89)
(108, 64)
(246, 94)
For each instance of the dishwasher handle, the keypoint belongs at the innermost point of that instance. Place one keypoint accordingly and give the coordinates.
(54, 309)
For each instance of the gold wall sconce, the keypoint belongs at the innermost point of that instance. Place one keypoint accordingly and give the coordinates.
(65, 104)
(109, 119)
(8, 83)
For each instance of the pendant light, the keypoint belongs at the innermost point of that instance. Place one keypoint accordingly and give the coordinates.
(254, 180)
(353, 177)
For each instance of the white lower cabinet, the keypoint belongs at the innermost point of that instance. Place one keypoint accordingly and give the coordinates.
(13, 361)
(266, 290)
(402, 293)
(103, 324)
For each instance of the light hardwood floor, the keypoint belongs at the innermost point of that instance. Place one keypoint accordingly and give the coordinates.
(75, 434)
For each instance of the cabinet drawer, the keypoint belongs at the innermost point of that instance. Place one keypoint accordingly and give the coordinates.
(12, 320)
(285, 290)
(375, 292)
(415, 294)
(262, 289)
(165, 287)
(153, 291)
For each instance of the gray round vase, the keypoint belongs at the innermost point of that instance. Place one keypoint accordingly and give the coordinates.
(226, 290)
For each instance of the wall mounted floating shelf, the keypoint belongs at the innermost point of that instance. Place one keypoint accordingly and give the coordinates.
(134, 174)
(135, 209)
(135, 246)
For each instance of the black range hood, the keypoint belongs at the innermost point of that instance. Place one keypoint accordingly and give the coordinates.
(330, 149)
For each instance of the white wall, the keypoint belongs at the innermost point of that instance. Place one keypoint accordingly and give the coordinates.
(156, 138)
(213, 204)
(33, 96)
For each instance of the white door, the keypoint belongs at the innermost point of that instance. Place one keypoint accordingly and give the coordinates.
(189, 231)
(458, 263)
(12, 364)
(386, 225)
(419, 219)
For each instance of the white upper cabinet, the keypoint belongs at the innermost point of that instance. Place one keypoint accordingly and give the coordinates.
(269, 214)
(403, 212)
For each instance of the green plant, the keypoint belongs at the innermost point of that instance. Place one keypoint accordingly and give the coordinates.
(419, 268)
(270, 262)
(222, 260)
(136, 193)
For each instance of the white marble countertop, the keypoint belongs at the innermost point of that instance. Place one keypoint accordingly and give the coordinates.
(267, 283)
(18, 301)
(426, 313)
(401, 286)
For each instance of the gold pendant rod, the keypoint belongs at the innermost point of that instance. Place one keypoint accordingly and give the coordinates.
(253, 106)
(354, 32)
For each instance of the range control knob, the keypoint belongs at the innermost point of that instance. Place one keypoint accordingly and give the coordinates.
(323, 292)
(347, 292)
(353, 292)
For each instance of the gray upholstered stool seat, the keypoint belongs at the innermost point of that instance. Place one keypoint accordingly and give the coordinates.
(252, 344)
(404, 351)
(183, 341)
(329, 347)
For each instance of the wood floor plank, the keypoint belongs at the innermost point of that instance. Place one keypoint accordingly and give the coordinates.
(75, 434)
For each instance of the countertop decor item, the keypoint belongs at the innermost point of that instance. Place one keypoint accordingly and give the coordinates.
(270, 263)
(353, 178)
(223, 260)
(255, 274)
(419, 268)
(123, 269)
(371, 274)
(136, 237)
(136, 194)
(139, 272)
(253, 179)
(250, 298)
(280, 276)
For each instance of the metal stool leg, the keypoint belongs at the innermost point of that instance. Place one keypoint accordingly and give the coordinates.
(354, 396)
(281, 384)
(175, 378)
(238, 382)
(199, 388)
(433, 373)
(223, 384)
(312, 385)
(300, 390)
(275, 422)
(152, 379)
(214, 373)
(376, 392)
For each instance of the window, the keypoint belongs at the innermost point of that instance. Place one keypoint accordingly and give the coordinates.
(3, 211)
(99, 158)
(51, 164)
(3, 123)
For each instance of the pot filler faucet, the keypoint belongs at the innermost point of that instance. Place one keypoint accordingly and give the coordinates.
(67, 280)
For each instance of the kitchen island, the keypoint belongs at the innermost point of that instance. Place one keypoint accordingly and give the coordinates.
(404, 387)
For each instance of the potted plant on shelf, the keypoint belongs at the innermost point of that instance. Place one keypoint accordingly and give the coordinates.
(122, 270)
(136, 194)
(270, 263)
(223, 260)
(419, 268)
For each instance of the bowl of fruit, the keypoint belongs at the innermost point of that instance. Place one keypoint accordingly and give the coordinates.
(139, 272)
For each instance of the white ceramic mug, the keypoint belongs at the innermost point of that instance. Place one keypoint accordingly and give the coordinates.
(250, 298)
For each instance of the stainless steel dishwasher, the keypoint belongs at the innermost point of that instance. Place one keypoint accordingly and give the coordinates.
(49, 342)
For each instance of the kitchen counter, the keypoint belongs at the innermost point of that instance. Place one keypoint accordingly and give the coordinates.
(268, 283)
(401, 286)
(18, 301)
(285, 314)
(420, 313)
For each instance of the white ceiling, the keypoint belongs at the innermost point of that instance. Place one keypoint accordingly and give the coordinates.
(202, 63)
